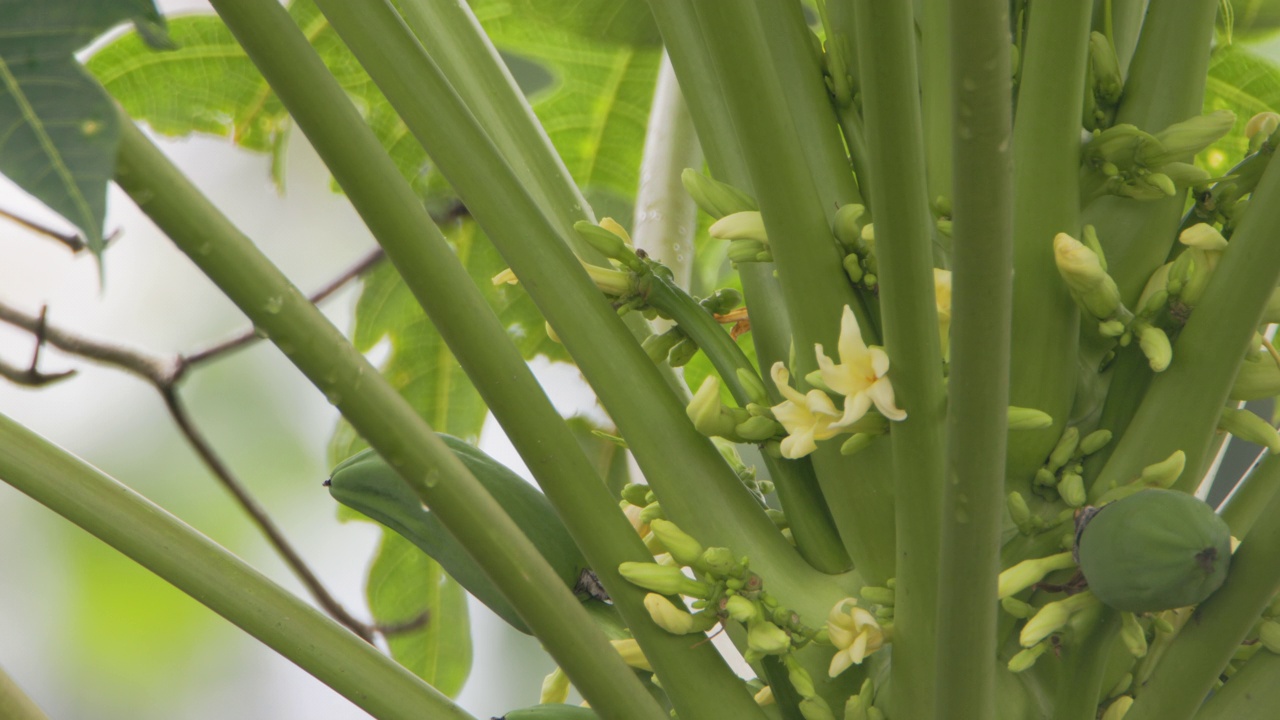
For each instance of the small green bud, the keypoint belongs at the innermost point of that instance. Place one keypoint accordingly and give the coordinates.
(663, 579)
(878, 595)
(1118, 144)
(1250, 428)
(1161, 182)
(1203, 236)
(715, 198)
(855, 709)
(1095, 441)
(706, 412)
(742, 609)
(1118, 709)
(1045, 478)
(757, 429)
(1025, 659)
(1048, 620)
(720, 562)
(767, 639)
(1021, 514)
(853, 267)
(682, 353)
(741, 251)
(1029, 572)
(1071, 489)
(1269, 635)
(635, 494)
(1017, 608)
(659, 345)
(1088, 282)
(815, 708)
(674, 620)
(1111, 328)
(611, 240)
(1166, 472)
(754, 386)
(1021, 418)
(1107, 80)
(683, 548)
(847, 225)
(747, 225)
(799, 677)
(555, 688)
(721, 301)
(651, 512)
(1155, 345)
(1181, 142)
(1185, 174)
(1122, 685)
(1133, 636)
(1065, 448)
(856, 444)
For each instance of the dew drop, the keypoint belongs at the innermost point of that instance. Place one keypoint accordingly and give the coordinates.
(274, 304)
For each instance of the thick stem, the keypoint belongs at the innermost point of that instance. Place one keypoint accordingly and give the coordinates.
(378, 412)
(1046, 147)
(199, 567)
(1190, 667)
(684, 468)
(1245, 505)
(903, 227)
(982, 290)
(1254, 691)
(936, 70)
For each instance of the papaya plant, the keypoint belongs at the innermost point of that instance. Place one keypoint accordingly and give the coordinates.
(921, 329)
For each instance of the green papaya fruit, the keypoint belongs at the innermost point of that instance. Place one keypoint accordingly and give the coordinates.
(1154, 550)
(367, 484)
(552, 711)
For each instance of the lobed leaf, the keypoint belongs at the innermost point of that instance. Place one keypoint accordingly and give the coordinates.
(1246, 84)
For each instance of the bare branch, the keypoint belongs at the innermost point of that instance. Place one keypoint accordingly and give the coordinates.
(74, 241)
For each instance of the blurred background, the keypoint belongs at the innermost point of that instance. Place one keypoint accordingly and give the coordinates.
(87, 633)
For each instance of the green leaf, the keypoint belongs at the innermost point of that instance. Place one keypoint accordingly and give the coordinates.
(1252, 20)
(625, 22)
(210, 86)
(1246, 84)
(597, 109)
(436, 641)
(60, 136)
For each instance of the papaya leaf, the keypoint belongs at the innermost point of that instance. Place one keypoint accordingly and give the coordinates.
(210, 86)
(61, 134)
(1251, 20)
(433, 637)
(623, 22)
(1246, 84)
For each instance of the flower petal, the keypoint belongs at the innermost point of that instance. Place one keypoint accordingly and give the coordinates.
(782, 379)
(855, 407)
(881, 393)
(839, 663)
(851, 344)
(879, 361)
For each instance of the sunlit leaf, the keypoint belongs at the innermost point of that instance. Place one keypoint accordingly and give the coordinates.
(60, 132)
(1246, 84)
(1252, 19)
(434, 638)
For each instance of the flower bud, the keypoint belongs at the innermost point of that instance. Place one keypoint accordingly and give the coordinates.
(853, 267)
(748, 225)
(1048, 620)
(650, 512)
(715, 198)
(1020, 512)
(741, 251)
(1185, 174)
(1250, 428)
(683, 548)
(767, 639)
(636, 494)
(765, 696)
(1065, 448)
(1117, 144)
(1264, 123)
(856, 444)
(1017, 608)
(1181, 142)
(1155, 345)
(706, 412)
(1029, 572)
(1133, 636)
(631, 654)
(757, 429)
(667, 616)
(659, 345)
(1107, 81)
(1166, 472)
(1027, 658)
(611, 240)
(1080, 268)
(555, 688)
(878, 595)
(506, 277)
(1021, 418)
(1161, 182)
(1203, 236)
(682, 353)
(847, 225)
(1118, 709)
(1045, 478)
(815, 708)
(1095, 441)
(1071, 489)
(799, 677)
(742, 609)
(1269, 635)
(663, 579)
(720, 562)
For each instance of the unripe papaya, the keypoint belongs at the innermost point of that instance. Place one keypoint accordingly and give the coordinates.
(1154, 550)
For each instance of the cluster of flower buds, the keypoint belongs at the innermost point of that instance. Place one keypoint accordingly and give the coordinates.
(860, 707)
(1083, 268)
(737, 217)
(1063, 471)
(1055, 617)
(1161, 474)
(1132, 163)
(753, 424)
(857, 237)
(675, 346)
(1104, 84)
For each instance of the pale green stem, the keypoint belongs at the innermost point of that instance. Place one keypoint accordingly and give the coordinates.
(202, 569)
(1126, 23)
(666, 217)
(1245, 505)
(1254, 691)
(684, 468)
(1046, 147)
(1180, 410)
(1191, 665)
(14, 703)
(1085, 666)
(904, 226)
(377, 411)
(978, 387)
(936, 69)
(479, 340)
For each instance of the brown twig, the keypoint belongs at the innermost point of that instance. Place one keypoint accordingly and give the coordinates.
(164, 375)
(74, 241)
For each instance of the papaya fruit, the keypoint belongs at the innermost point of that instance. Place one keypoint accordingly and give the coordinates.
(1154, 550)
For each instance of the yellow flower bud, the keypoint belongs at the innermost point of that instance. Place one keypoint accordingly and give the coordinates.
(683, 548)
(631, 653)
(767, 639)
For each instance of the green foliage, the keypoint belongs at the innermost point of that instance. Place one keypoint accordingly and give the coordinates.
(60, 134)
(1245, 83)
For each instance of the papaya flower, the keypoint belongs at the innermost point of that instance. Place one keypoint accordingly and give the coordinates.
(854, 632)
(807, 418)
(942, 297)
(860, 376)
